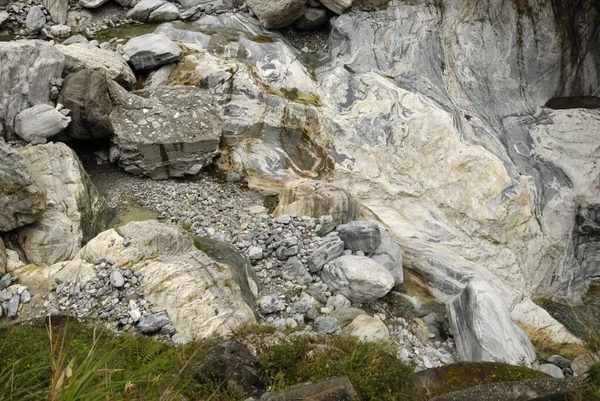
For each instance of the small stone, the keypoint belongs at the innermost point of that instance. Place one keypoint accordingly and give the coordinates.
(232, 176)
(25, 297)
(135, 315)
(284, 219)
(255, 253)
(12, 306)
(271, 304)
(116, 279)
(257, 209)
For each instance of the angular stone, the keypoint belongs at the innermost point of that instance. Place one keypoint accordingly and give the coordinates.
(583, 363)
(3, 258)
(153, 322)
(135, 315)
(327, 324)
(483, 329)
(80, 56)
(58, 10)
(337, 6)
(36, 19)
(389, 255)
(151, 51)
(201, 296)
(333, 388)
(360, 236)
(331, 248)
(144, 8)
(25, 297)
(22, 201)
(274, 14)
(271, 304)
(86, 94)
(42, 121)
(255, 253)
(60, 31)
(303, 304)
(26, 70)
(76, 211)
(164, 132)
(358, 278)
(367, 328)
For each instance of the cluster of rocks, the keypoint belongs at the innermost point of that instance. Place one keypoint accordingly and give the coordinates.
(12, 295)
(111, 298)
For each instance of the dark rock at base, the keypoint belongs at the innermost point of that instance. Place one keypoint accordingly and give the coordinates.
(232, 364)
(331, 389)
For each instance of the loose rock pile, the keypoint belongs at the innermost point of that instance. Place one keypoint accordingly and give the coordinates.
(12, 295)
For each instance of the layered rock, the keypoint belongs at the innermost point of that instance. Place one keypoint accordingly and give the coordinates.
(483, 329)
(26, 71)
(86, 94)
(358, 278)
(42, 121)
(80, 56)
(22, 200)
(164, 132)
(75, 212)
(201, 296)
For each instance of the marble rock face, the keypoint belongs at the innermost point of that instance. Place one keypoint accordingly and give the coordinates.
(164, 132)
(483, 329)
(450, 147)
(201, 297)
(26, 70)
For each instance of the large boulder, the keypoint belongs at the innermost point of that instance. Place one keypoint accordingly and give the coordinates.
(164, 132)
(26, 70)
(274, 14)
(483, 329)
(151, 51)
(92, 3)
(80, 56)
(75, 213)
(36, 19)
(316, 199)
(22, 200)
(86, 94)
(201, 296)
(154, 11)
(41, 121)
(389, 255)
(358, 278)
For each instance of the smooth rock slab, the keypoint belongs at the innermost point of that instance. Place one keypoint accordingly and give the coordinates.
(360, 236)
(274, 14)
(164, 132)
(151, 51)
(153, 322)
(483, 329)
(41, 121)
(358, 278)
(22, 200)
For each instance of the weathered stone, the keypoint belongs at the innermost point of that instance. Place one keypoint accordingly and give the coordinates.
(75, 213)
(582, 363)
(116, 279)
(337, 302)
(303, 304)
(58, 10)
(151, 51)
(92, 3)
(295, 270)
(12, 306)
(389, 255)
(166, 12)
(331, 249)
(153, 322)
(164, 132)
(75, 39)
(80, 56)
(274, 14)
(3, 258)
(367, 328)
(419, 330)
(315, 199)
(313, 18)
(552, 370)
(271, 304)
(333, 388)
(60, 31)
(41, 121)
(482, 327)
(26, 70)
(86, 94)
(337, 6)
(360, 236)
(559, 361)
(202, 297)
(358, 278)
(22, 201)
(255, 253)
(144, 8)
(3, 16)
(36, 19)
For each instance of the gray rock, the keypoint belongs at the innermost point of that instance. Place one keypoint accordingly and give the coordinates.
(274, 14)
(367, 328)
(11, 307)
(135, 315)
(483, 329)
(75, 39)
(295, 270)
(151, 51)
(86, 94)
(36, 19)
(144, 8)
(60, 31)
(22, 201)
(358, 278)
(271, 304)
(116, 279)
(153, 322)
(337, 6)
(284, 219)
(313, 18)
(5, 295)
(25, 297)
(94, 3)
(389, 255)
(166, 12)
(327, 324)
(27, 68)
(360, 236)
(255, 253)
(40, 120)
(337, 302)
(552, 370)
(164, 132)
(58, 10)
(80, 56)
(3, 257)
(232, 176)
(303, 304)
(345, 316)
(559, 361)
(331, 249)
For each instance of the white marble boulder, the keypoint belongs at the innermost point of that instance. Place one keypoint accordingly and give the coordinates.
(483, 329)
(41, 121)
